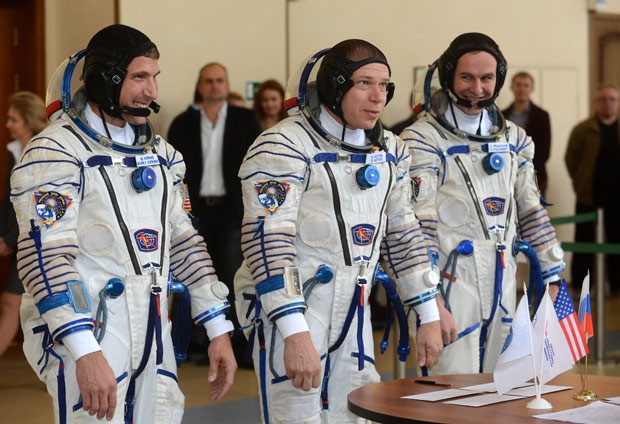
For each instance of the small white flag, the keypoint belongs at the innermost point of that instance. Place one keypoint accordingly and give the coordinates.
(515, 363)
(552, 355)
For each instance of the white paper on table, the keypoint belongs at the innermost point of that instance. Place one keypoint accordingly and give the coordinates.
(531, 390)
(483, 400)
(440, 395)
(614, 399)
(595, 413)
(490, 387)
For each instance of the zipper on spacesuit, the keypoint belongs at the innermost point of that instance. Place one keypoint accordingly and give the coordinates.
(121, 222)
(338, 212)
(362, 281)
(474, 196)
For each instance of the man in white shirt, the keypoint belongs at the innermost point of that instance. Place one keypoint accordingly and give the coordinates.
(213, 137)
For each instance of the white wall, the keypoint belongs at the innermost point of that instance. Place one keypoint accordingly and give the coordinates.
(69, 24)
(549, 38)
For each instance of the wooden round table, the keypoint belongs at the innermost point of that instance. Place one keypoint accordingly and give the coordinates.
(381, 402)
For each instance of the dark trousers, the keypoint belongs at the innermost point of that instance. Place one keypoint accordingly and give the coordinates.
(223, 237)
(585, 232)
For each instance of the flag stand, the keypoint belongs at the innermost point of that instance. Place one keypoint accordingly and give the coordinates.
(584, 394)
(538, 402)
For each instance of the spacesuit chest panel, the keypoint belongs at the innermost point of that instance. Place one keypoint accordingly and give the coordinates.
(117, 222)
(471, 195)
(352, 217)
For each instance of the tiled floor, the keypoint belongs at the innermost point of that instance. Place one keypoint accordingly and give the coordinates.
(24, 400)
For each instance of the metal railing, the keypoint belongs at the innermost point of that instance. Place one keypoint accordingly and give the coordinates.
(600, 249)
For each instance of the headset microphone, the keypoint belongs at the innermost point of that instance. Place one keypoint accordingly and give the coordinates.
(140, 111)
(155, 107)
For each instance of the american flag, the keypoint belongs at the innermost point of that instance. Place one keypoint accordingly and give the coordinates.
(187, 206)
(570, 324)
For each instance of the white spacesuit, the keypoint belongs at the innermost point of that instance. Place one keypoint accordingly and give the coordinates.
(475, 195)
(319, 212)
(103, 226)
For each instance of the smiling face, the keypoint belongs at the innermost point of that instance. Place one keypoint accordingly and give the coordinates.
(17, 126)
(363, 104)
(271, 103)
(139, 87)
(475, 79)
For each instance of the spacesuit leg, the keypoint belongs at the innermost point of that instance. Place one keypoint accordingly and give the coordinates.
(345, 375)
(280, 401)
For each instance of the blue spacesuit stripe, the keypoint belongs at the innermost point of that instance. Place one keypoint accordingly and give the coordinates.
(299, 155)
(183, 241)
(533, 231)
(46, 279)
(262, 355)
(178, 272)
(365, 358)
(278, 312)
(35, 235)
(497, 294)
(188, 252)
(262, 143)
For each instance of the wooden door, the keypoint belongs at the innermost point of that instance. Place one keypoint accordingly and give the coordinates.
(22, 67)
(604, 50)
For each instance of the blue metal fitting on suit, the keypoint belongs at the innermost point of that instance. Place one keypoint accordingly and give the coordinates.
(143, 179)
(466, 247)
(324, 274)
(367, 176)
(114, 288)
(493, 163)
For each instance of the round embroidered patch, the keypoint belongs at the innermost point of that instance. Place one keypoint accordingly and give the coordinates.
(271, 194)
(51, 206)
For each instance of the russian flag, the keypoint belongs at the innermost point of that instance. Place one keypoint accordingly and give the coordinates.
(585, 311)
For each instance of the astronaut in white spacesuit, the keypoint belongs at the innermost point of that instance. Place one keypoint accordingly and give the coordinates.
(104, 227)
(326, 193)
(476, 197)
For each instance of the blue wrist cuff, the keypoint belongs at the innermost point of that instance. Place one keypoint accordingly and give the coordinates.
(270, 284)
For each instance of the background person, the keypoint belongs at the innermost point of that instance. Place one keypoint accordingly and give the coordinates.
(269, 103)
(534, 120)
(213, 137)
(592, 157)
(25, 118)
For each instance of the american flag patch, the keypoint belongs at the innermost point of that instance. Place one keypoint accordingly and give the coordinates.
(187, 206)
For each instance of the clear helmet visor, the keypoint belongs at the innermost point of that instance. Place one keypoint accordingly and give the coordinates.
(427, 83)
(66, 77)
(302, 98)
(296, 96)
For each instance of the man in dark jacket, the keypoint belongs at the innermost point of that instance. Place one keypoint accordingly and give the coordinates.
(592, 159)
(534, 120)
(213, 137)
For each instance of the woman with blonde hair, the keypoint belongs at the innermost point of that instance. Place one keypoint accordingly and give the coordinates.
(26, 117)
